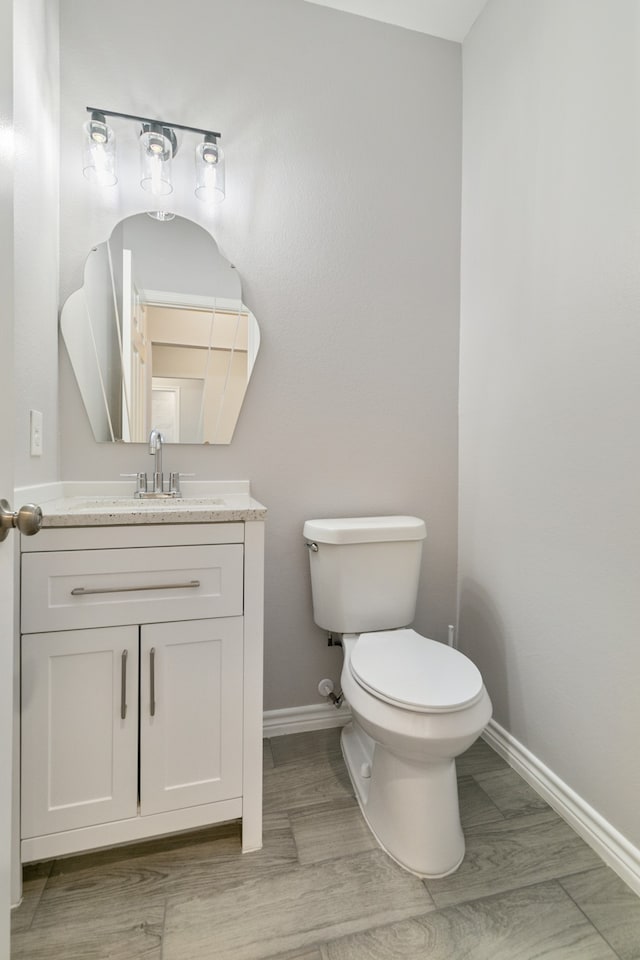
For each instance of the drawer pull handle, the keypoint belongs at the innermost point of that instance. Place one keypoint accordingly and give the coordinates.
(152, 681)
(85, 591)
(123, 687)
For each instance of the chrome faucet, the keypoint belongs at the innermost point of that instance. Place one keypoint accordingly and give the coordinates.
(156, 441)
(155, 487)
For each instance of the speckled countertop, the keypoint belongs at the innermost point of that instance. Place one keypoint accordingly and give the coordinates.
(97, 505)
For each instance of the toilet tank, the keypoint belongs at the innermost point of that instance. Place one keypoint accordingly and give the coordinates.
(364, 572)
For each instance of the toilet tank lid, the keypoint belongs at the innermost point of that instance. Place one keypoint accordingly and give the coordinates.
(365, 529)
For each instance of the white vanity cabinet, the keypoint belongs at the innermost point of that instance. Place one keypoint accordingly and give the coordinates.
(141, 683)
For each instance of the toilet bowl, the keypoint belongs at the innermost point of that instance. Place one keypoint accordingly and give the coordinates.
(401, 745)
(416, 704)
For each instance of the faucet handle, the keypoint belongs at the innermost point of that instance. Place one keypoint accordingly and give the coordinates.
(174, 482)
(141, 481)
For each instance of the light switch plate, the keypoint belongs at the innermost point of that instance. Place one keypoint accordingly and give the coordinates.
(35, 419)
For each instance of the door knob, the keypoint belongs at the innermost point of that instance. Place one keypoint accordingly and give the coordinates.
(27, 519)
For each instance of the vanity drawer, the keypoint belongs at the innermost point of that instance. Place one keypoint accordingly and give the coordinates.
(67, 590)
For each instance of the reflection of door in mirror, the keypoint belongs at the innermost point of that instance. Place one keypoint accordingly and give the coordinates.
(159, 337)
(165, 407)
(206, 347)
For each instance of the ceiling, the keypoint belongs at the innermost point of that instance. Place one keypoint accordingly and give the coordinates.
(450, 19)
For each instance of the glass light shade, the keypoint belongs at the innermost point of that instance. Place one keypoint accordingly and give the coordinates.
(210, 186)
(162, 215)
(155, 163)
(99, 155)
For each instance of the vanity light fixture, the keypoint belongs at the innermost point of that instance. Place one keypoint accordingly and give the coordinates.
(158, 146)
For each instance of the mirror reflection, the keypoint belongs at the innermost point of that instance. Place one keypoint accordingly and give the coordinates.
(158, 335)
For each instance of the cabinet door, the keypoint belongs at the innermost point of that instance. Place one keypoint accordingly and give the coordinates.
(79, 728)
(190, 713)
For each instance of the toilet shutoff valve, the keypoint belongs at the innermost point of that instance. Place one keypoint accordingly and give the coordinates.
(325, 689)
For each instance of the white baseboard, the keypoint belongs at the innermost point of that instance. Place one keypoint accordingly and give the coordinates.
(616, 851)
(320, 716)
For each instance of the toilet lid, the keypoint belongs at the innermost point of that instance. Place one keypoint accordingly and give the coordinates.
(415, 673)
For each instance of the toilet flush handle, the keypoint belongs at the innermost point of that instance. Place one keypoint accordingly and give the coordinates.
(312, 546)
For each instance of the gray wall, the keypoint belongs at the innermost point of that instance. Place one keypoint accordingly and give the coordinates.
(550, 392)
(342, 139)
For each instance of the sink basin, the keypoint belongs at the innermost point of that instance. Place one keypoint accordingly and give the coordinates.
(144, 504)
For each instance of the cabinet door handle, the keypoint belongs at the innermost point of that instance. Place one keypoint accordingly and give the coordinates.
(123, 685)
(152, 681)
(85, 591)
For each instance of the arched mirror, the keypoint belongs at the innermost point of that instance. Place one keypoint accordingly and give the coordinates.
(158, 335)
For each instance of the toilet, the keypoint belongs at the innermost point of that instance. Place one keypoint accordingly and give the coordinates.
(416, 704)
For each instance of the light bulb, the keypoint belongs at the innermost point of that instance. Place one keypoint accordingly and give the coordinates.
(98, 129)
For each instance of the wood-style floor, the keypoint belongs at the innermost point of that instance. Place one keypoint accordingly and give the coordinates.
(528, 889)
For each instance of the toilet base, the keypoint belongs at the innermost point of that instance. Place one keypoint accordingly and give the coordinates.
(411, 809)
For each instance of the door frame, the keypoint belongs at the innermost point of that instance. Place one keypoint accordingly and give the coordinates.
(8, 547)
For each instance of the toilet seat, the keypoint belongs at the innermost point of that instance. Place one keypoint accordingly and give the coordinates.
(415, 673)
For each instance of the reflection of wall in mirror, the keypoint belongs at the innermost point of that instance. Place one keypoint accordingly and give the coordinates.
(101, 348)
(178, 255)
(225, 388)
